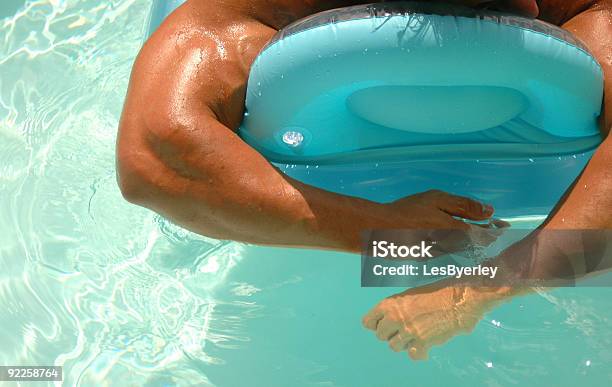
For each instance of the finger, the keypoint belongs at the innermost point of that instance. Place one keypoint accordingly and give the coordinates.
(417, 352)
(386, 330)
(499, 223)
(370, 320)
(464, 207)
(400, 342)
(493, 224)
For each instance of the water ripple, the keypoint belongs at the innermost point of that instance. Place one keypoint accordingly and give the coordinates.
(104, 288)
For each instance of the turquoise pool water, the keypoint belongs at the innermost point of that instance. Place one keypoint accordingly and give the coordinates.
(118, 296)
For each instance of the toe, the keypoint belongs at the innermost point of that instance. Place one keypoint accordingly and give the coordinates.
(386, 330)
(417, 351)
(370, 320)
(400, 342)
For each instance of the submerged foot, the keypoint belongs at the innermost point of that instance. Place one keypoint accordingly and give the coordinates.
(417, 319)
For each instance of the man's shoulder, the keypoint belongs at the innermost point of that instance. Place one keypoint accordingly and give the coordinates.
(193, 65)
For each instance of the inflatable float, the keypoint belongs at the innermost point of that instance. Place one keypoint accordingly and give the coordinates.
(386, 100)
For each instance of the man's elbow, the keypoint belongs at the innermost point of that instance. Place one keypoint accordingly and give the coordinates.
(144, 178)
(130, 191)
(136, 171)
(130, 180)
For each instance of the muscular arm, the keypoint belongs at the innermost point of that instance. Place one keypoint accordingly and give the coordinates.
(178, 153)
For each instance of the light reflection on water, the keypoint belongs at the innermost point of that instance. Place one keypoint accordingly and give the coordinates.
(117, 295)
(106, 289)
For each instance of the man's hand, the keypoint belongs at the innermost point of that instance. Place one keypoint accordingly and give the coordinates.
(442, 217)
(436, 209)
